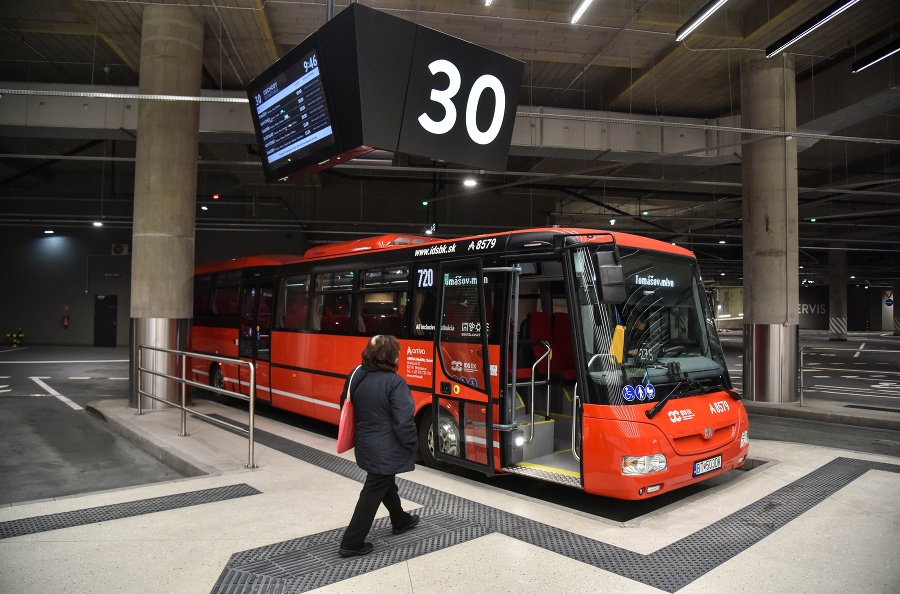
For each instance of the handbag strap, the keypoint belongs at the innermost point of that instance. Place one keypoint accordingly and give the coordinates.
(350, 383)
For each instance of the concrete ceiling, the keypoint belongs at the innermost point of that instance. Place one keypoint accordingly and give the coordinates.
(619, 63)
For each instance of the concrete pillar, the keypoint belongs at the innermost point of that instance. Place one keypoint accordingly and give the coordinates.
(771, 280)
(165, 189)
(837, 294)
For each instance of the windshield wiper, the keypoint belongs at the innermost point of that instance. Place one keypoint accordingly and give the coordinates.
(733, 393)
(697, 388)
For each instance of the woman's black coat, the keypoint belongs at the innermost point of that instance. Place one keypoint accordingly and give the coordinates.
(386, 436)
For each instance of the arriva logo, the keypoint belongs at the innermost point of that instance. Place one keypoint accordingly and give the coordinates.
(416, 351)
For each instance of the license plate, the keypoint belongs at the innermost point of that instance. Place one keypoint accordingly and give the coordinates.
(708, 465)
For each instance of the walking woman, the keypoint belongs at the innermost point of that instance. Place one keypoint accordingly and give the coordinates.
(385, 440)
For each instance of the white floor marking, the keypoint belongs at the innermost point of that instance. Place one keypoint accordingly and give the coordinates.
(54, 393)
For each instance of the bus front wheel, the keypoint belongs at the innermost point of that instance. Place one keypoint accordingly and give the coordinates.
(447, 436)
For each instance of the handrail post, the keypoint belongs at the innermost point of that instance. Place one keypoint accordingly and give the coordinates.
(140, 375)
(802, 353)
(252, 420)
(574, 418)
(533, 374)
(183, 397)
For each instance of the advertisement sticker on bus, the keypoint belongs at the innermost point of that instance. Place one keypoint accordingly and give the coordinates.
(418, 363)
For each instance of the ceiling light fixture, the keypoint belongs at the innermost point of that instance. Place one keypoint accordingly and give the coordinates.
(612, 221)
(487, 2)
(98, 224)
(876, 56)
(692, 23)
(49, 232)
(580, 10)
(470, 182)
(809, 26)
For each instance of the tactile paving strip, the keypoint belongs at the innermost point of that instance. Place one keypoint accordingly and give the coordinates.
(118, 511)
(312, 561)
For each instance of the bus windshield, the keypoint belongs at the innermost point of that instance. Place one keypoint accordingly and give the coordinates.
(661, 342)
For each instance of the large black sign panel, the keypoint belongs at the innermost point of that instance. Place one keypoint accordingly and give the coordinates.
(461, 102)
(369, 80)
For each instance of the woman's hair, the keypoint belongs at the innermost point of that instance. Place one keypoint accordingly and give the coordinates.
(381, 353)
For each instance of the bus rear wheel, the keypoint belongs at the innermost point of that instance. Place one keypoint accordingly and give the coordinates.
(448, 438)
(217, 380)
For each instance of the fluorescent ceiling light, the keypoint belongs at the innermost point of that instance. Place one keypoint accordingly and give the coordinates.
(580, 10)
(692, 23)
(470, 182)
(487, 2)
(877, 56)
(809, 26)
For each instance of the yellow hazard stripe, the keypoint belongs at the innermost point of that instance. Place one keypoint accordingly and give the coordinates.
(571, 473)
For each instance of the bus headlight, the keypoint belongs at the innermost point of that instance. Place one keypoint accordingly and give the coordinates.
(745, 437)
(636, 465)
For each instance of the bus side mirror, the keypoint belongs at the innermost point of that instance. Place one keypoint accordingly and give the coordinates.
(610, 278)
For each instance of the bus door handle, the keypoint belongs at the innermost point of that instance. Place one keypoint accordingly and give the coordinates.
(575, 400)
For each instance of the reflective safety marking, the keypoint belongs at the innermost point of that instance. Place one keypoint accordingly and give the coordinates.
(480, 441)
(333, 405)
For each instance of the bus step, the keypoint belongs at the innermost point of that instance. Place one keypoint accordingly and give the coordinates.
(552, 475)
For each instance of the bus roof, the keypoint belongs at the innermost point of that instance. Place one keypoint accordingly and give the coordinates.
(396, 241)
(367, 243)
(246, 262)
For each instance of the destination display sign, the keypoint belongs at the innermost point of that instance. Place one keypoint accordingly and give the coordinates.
(293, 113)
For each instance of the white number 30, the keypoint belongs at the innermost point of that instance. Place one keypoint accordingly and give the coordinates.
(443, 98)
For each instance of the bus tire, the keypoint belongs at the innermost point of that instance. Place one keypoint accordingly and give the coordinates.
(217, 380)
(449, 431)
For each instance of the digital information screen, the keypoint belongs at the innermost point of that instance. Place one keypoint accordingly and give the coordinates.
(292, 111)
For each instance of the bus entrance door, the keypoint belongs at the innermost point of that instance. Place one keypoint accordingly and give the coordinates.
(463, 407)
(256, 332)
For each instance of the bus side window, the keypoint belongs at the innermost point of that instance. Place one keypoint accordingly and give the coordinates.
(294, 292)
(202, 294)
(383, 313)
(226, 297)
(382, 305)
(334, 301)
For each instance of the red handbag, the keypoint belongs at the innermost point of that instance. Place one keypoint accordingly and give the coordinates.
(347, 425)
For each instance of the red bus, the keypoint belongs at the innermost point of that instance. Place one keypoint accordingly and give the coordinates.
(582, 357)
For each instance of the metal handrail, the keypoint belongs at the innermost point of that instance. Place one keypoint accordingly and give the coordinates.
(533, 374)
(806, 349)
(575, 399)
(184, 382)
